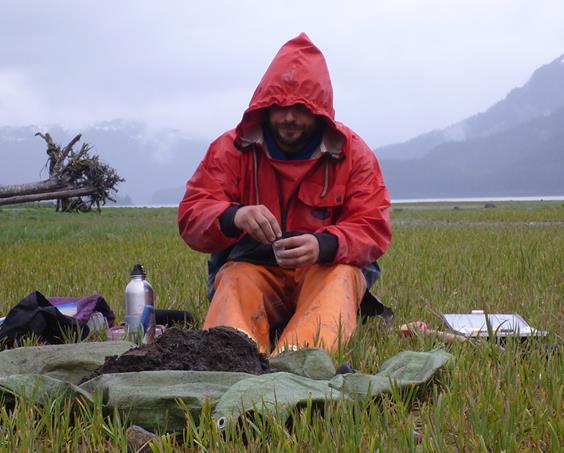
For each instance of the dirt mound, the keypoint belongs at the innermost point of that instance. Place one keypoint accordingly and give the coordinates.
(217, 349)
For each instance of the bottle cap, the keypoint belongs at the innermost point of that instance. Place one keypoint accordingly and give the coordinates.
(138, 270)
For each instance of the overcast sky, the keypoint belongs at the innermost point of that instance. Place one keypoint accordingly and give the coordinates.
(398, 68)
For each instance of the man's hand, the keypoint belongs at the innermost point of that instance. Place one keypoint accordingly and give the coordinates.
(297, 251)
(258, 222)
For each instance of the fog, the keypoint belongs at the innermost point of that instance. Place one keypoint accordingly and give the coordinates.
(398, 68)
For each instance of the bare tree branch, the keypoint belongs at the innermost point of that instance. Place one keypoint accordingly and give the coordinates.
(65, 153)
(48, 185)
(72, 175)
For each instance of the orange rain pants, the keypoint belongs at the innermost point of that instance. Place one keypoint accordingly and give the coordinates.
(316, 303)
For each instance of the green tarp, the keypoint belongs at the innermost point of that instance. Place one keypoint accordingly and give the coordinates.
(159, 399)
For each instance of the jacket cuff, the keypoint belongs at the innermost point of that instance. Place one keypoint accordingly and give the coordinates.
(328, 245)
(227, 221)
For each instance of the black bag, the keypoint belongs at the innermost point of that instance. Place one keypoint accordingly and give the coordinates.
(36, 315)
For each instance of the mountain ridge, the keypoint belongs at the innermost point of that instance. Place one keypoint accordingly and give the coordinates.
(542, 94)
(527, 160)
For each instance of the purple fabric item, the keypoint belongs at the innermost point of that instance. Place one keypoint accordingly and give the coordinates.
(86, 306)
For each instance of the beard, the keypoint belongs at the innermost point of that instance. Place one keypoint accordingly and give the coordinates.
(292, 136)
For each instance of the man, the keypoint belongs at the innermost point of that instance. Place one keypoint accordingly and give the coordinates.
(292, 179)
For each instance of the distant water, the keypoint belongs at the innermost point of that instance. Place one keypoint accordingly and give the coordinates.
(399, 201)
(477, 199)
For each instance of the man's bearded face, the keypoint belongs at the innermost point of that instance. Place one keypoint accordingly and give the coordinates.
(292, 126)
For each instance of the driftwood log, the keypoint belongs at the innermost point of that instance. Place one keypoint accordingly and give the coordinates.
(77, 179)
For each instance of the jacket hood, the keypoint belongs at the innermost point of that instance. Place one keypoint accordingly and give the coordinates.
(297, 74)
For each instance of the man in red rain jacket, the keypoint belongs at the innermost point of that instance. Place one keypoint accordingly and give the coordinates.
(291, 178)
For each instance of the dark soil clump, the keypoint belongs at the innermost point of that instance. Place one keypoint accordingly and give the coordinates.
(217, 349)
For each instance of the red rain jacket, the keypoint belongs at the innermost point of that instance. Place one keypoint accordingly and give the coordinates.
(340, 190)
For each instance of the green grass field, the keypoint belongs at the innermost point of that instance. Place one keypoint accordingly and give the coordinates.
(506, 259)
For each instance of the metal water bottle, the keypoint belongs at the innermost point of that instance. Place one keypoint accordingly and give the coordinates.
(140, 307)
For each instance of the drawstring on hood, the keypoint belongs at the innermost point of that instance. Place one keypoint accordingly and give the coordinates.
(325, 179)
(256, 184)
(255, 175)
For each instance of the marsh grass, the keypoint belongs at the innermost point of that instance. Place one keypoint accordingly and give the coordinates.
(507, 259)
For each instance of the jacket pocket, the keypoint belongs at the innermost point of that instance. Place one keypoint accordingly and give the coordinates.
(320, 210)
(310, 195)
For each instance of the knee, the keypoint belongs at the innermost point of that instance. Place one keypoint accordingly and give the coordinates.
(339, 274)
(236, 270)
(346, 270)
(338, 270)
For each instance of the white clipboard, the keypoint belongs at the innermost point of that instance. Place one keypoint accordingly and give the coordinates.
(475, 324)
